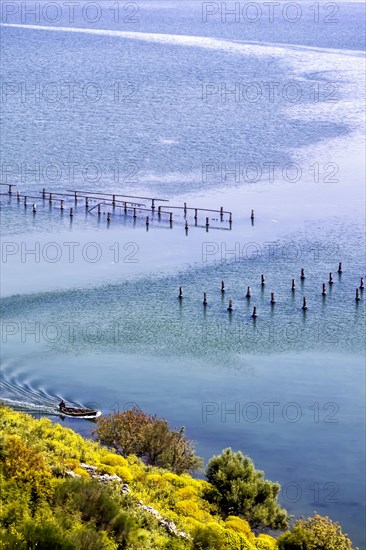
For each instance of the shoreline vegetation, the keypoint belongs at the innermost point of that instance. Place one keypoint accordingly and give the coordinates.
(131, 488)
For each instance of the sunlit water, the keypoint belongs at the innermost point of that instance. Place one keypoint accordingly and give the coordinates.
(103, 327)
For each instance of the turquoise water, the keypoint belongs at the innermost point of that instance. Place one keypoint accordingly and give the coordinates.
(104, 327)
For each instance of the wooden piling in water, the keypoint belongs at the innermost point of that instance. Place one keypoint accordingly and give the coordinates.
(330, 278)
(302, 276)
(147, 221)
(324, 291)
(304, 304)
(254, 314)
(108, 217)
(25, 200)
(34, 208)
(18, 196)
(293, 285)
(230, 308)
(340, 267)
(358, 297)
(71, 212)
(62, 204)
(180, 293)
(263, 280)
(273, 300)
(222, 286)
(362, 284)
(248, 294)
(252, 215)
(204, 299)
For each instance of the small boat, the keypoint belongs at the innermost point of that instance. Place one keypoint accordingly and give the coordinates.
(78, 412)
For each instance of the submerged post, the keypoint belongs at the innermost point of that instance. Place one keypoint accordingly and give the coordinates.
(302, 276)
(340, 267)
(204, 299)
(273, 300)
(324, 291)
(304, 304)
(293, 286)
(263, 280)
(222, 286)
(180, 293)
(330, 278)
(248, 294)
(230, 308)
(358, 298)
(362, 284)
(254, 314)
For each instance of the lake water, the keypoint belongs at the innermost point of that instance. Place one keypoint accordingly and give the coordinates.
(176, 102)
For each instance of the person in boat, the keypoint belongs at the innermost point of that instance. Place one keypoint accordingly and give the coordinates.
(62, 405)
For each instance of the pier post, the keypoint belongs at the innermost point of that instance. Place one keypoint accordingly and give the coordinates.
(114, 201)
(9, 190)
(50, 198)
(152, 204)
(273, 300)
(62, 204)
(180, 293)
(147, 221)
(171, 217)
(324, 291)
(76, 197)
(254, 314)
(230, 218)
(340, 267)
(185, 208)
(252, 216)
(25, 201)
(18, 196)
(99, 210)
(362, 284)
(195, 213)
(207, 222)
(71, 212)
(43, 193)
(248, 294)
(358, 298)
(204, 299)
(186, 225)
(125, 208)
(221, 212)
(134, 213)
(302, 276)
(159, 212)
(222, 286)
(86, 202)
(304, 304)
(230, 308)
(330, 278)
(263, 281)
(34, 208)
(293, 285)
(108, 217)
